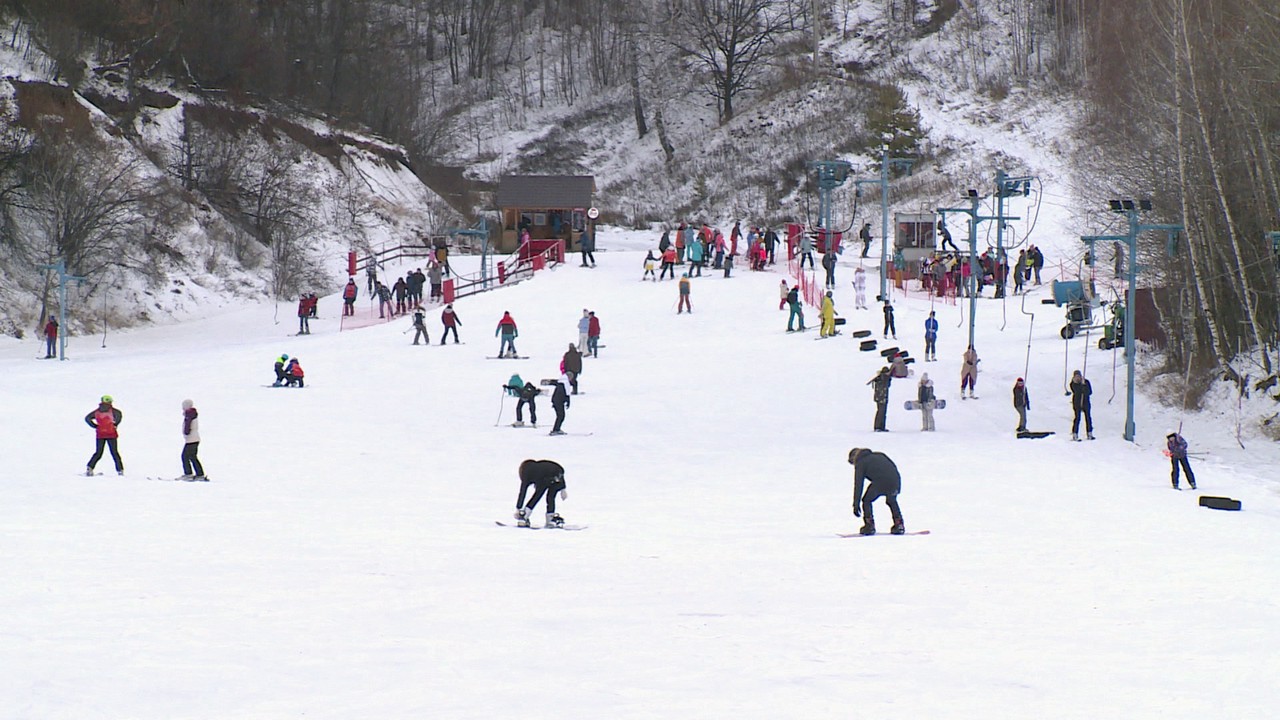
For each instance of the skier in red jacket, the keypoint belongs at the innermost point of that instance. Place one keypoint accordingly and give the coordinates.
(105, 422)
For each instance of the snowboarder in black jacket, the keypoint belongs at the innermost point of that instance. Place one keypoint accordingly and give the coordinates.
(879, 470)
(546, 478)
(889, 328)
(560, 401)
(527, 394)
(880, 385)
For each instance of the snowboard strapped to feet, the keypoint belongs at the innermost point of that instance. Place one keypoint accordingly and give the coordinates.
(570, 528)
(1029, 435)
(858, 534)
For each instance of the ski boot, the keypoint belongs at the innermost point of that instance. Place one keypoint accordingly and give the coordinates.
(1090, 436)
(200, 478)
(522, 517)
(187, 477)
(88, 472)
(868, 527)
(1075, 437)
(518, 423)
(554, 520)
(899, 528)
(557, 432)
(1192, 483)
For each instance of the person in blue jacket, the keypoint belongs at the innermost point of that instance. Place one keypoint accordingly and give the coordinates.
(931, 337)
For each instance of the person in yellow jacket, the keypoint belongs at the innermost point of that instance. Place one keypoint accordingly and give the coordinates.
(828, 314)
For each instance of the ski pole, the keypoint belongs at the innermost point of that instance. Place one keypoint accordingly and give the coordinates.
(501, 405)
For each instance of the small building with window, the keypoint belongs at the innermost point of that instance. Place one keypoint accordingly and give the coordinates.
(550, 207)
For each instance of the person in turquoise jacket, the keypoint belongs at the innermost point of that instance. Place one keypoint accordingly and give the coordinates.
(696, 256)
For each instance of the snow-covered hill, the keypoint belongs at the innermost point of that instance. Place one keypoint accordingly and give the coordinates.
(239, 199)
(344, 560)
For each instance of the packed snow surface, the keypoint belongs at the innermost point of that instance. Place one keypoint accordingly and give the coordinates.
(344, 561)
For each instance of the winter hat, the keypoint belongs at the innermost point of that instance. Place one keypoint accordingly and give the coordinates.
(106, 399)
(924, 379)
(1019, 379)
(854, 453)
(187, 404)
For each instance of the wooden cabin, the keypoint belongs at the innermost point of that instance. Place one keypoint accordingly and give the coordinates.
(551, 207)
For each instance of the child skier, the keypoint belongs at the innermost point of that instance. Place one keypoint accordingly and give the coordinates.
(451, 322)
(191, 467)
(860, 289)
(1176, 449)
(420, 326)
(105, 422)
(545, 477)
(828, 314)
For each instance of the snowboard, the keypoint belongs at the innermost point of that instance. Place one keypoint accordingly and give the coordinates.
(854, 535)
(507, 357)
(295, 387)
(828, 337)
(571, 434)
(938, 404)
(1029, 435)
(180, 479)
(571, 528)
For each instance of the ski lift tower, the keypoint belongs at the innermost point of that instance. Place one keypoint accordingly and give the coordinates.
(831, 175)
(1132, 212)
(63, 278)
(479, 230)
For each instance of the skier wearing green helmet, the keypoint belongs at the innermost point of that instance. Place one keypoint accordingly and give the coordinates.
(105, 421)
(280, 374)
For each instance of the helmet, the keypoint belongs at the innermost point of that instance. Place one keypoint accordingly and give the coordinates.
(106, 399)
(283, 356)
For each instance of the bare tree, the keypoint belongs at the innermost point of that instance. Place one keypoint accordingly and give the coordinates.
(730, 40)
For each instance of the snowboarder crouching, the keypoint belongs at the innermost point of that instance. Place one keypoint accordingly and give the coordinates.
(882, 474)
(527, 392)
(545, 477)
(293, 373)
(281, 376)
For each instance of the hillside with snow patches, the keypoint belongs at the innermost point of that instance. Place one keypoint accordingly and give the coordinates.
(344, 561)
